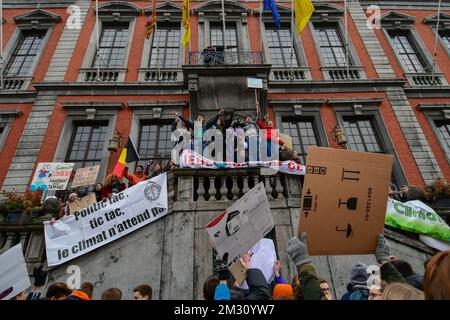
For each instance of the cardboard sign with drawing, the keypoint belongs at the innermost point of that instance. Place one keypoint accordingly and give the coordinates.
(344, 200)
(236, 230)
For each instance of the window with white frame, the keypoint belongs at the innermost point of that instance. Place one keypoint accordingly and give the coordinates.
(154, 141)
(443, 132)
(407, 51)
(332, 46)
(5, 123)
(87, 143)
(445, 37)
(362, 135)
(279, 42)
(303, 132)
(231, 36)
(112, 45)
(25, 53)
(165, 50)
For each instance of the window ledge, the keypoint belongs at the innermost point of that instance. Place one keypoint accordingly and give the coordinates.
(343, 73)
(106, 74)
(426, 79)
(288, 74)
(15, 83)
(165, 75)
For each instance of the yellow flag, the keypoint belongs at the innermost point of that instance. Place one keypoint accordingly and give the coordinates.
(186, 25)
(303, 10)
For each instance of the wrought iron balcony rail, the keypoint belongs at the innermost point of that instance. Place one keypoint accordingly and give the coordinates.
(213, 57)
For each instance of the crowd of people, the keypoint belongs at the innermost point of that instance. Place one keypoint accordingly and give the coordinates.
(245, 131)
(397, 281)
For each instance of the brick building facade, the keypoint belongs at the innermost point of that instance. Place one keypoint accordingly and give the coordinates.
(58, 104)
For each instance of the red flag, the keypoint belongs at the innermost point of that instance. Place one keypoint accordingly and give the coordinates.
(151, 22)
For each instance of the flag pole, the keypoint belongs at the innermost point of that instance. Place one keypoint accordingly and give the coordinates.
(346, 38)
(97, 45)
(291, 72)
(433, 75)
(155, 36)
(260, 27)
(224, 28)
(1, 44)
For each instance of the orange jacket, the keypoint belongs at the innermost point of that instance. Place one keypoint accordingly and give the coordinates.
(134, 179)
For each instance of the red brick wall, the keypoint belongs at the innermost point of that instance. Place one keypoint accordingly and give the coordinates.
(426, 36)
(11, 142)
(390, 121)
(123, 124)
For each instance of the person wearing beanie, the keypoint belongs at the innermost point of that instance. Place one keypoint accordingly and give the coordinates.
(359, 276)
(283, 291)
(310, 287)
(222, 292)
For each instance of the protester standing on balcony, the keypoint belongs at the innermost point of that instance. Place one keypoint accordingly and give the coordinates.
(200, 132)
(112, 185)
(137, 177)
(73, 197)
(99, 192)
(252, 133)
(157, 170)
(268, 127)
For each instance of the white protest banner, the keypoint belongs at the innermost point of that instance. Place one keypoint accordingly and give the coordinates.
(106, 221)
(263, 257)
(236, 230)
(85, 176)
(191, 159)
(51, 176)
(440, 245)
(13, 273)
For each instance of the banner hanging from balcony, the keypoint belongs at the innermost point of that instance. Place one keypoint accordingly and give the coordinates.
(415, 216)
(191, 159)
(52, 176)
(103, 222)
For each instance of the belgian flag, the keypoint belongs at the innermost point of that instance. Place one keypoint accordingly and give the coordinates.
(128, 155)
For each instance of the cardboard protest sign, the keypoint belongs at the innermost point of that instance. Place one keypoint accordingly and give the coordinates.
(51, 176)
(13, 273)
(344, 199)
(83, 202)
(103, 222)
(415, 216)
(236, 230)
(85, 176)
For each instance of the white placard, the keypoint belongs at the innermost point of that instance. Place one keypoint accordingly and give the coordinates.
(13, 273)
(254, 83)
(236, 230)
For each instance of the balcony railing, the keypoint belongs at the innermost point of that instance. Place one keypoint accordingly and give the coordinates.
(231, 184)
(102, 75)
(288, 74)
(163, 75)
(207, 57)
(15, 83)
(426, 79)
(343, 73)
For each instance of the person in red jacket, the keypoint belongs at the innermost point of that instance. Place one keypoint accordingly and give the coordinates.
(269, 127)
